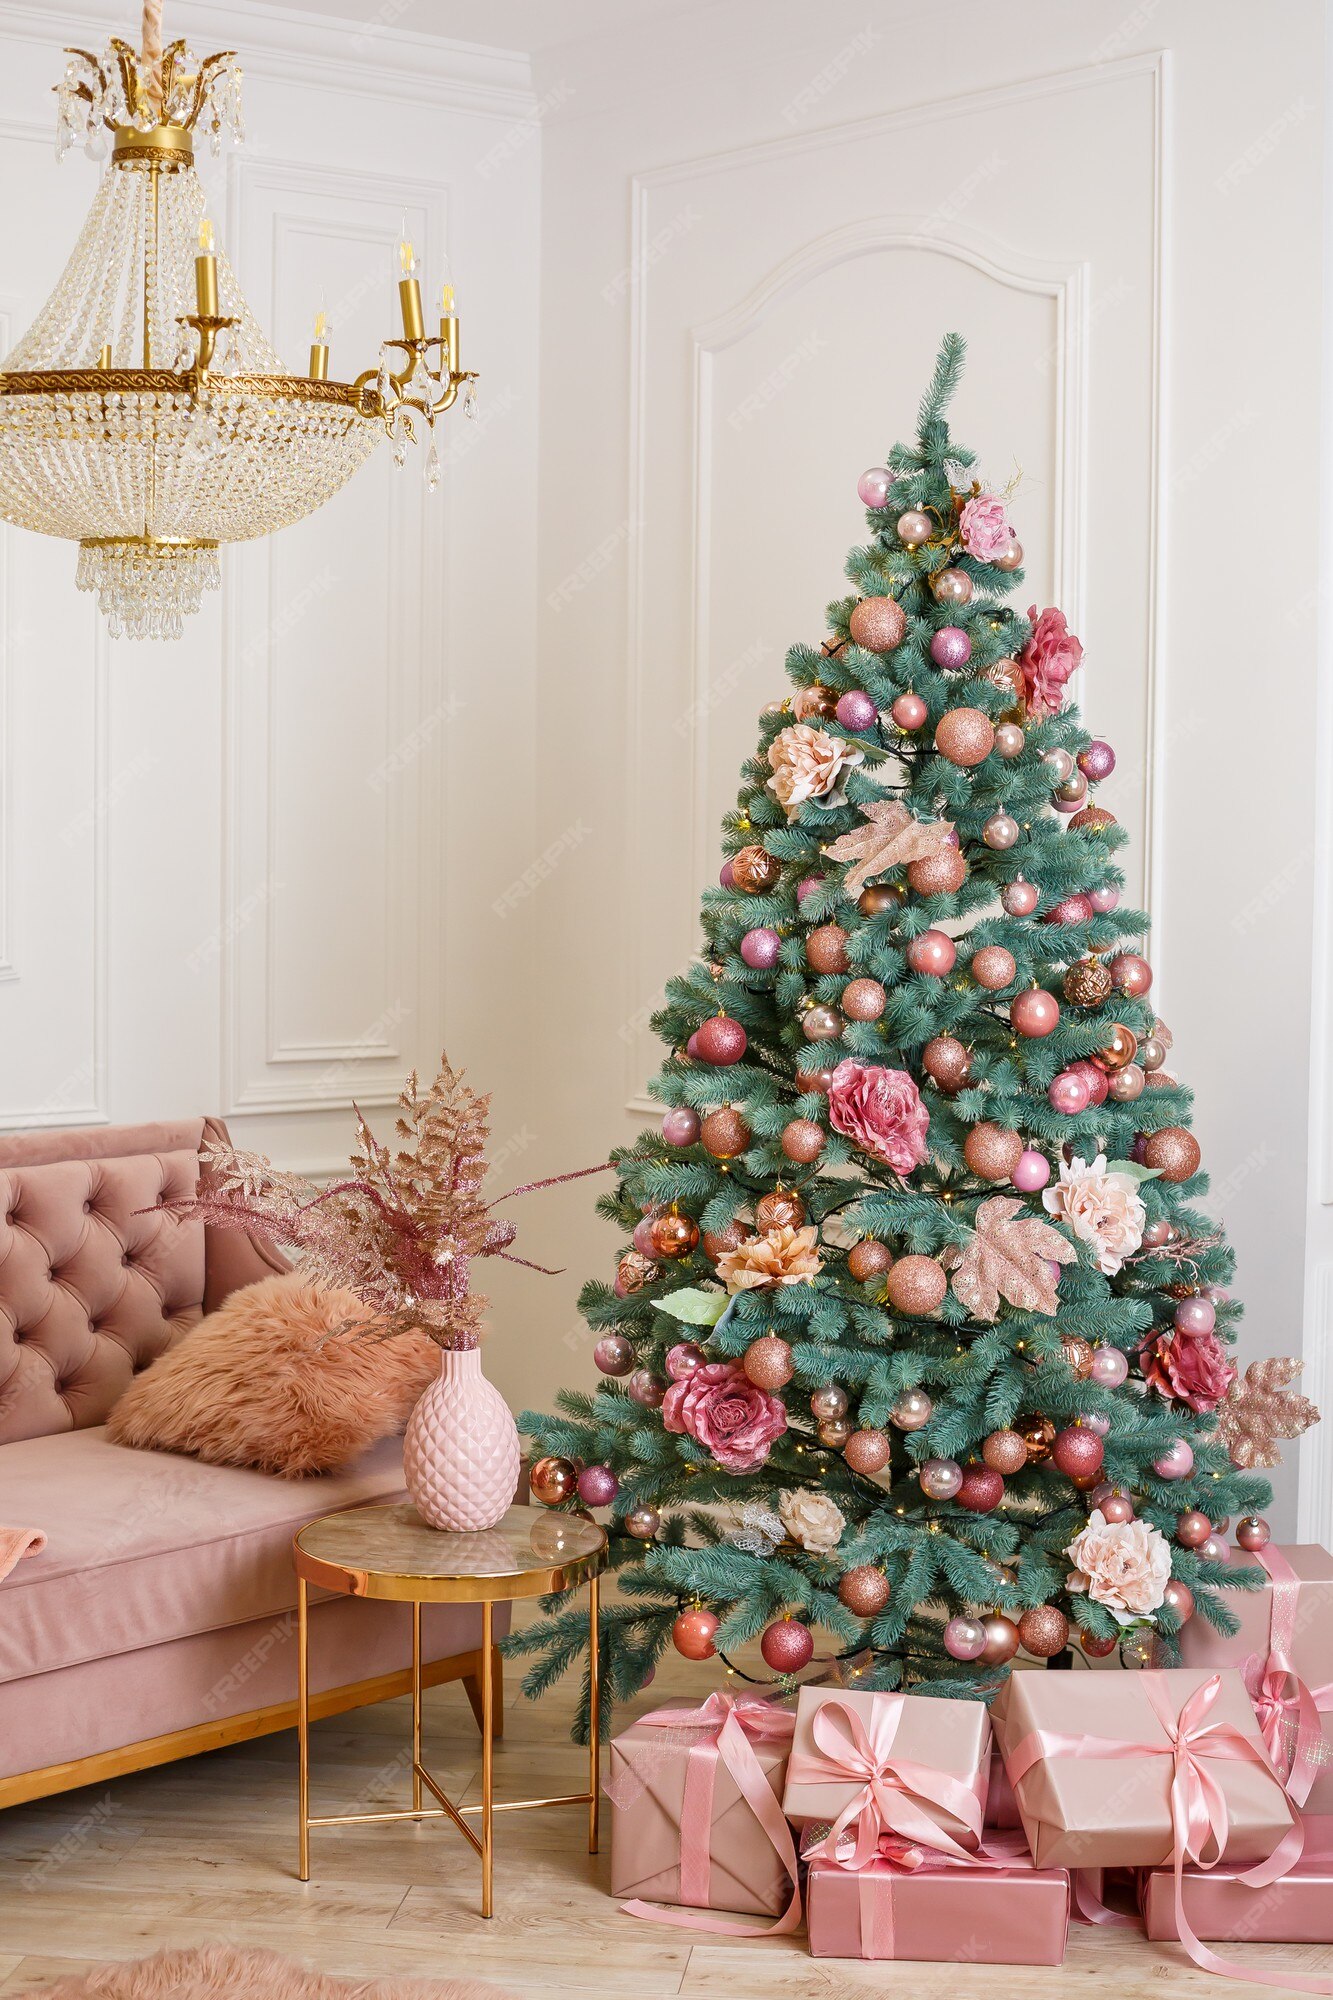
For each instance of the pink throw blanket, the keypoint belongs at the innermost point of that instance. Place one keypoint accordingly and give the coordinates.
(16, 1543)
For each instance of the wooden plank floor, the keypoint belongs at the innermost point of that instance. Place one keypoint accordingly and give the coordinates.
(206, 1850)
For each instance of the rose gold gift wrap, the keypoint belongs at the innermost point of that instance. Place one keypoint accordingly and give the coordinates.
(1220, 1906)
(905, 1764)
(1008, 1916)
(1092, 1765)
(1284, 1652)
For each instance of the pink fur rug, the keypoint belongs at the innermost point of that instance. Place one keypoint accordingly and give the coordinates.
(218, 1972)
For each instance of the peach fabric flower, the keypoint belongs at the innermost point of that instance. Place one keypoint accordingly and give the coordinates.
(807, 764)
(783, 1256)
(880, 1110)
(1103, 1209)
(1188, 1368)
(983, 527)
(813, 1519)
(1125, 1565)
(1048, 659)
(733, 1420)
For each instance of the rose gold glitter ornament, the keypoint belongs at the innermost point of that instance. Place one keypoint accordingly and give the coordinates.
(867, 1452)
(965, 737)
(724, 1133)
(992, 1152)
(768, 1362)
(946, 1062)
(868, 1259)
(938, 874)
(863, 1000)
(1043, 1631)
(864, 1590)
(916, 1285)
(826, 948)
(802, 1140)
(717, 1242)
(878, 624)
(1174, 1151)
(1005, 1451)
(993, 967)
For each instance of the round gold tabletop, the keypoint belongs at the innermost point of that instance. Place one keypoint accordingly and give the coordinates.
(390, 1552)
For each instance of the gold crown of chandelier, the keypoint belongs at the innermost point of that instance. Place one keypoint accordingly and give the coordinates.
(144, 413)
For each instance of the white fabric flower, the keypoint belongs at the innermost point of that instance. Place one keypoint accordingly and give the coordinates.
(813, 1520)
(1125, 1565)
(808, 764)
(1103, 1209)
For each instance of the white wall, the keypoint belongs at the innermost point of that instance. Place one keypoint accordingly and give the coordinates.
(754, 232)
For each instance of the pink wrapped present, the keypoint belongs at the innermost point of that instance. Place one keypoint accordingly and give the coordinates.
(994, 1908)
(695, 1815)
(1219, 1903)
(1284, 1650)
(1001, 1805)
(869, 1764)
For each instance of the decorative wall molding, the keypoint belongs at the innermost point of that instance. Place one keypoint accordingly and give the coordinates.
(1314, 1521)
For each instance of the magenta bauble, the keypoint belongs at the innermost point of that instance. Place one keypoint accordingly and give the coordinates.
(965, 1638)
(613, 1354)
(680, 1125)
(855, 710)
(950, 647)
(787, 1646)
(760, 949)
(933, 953)
(1019, 897)
(598, 1485)
(1034, 1013)
(720, 1040)
(909, 711)
(1176, 1462)
(1032, 1172)
(874, 486)
(1067, 1093)
(1097, 761)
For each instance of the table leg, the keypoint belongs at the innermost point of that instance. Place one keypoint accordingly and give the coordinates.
(594, 1713)
(487, 1762)
(303, 1724)
(416, 1708)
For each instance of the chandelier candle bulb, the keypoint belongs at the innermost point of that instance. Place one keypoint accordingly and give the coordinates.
(319, 350)
(409, 293)
(206, 274)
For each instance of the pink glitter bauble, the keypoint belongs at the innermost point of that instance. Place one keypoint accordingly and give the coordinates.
(982, 1489)
(787, 1646)
(1032, 1172)
(933, 953)
(877, 624)
(1097, 761)
(874, 486)
(598, 1485)
(1019, 897)
(1104, 898)
(909, 711)
(964, 736)
(760, 949)
(1176, 1462)
(720, 1040)
(1076, 909)
(1077, 1452)
(680, 1127)
(804, 887)
(965, 1638)
(1067, 1093)
(856, 710)
(1034, 1013)
(950, 647)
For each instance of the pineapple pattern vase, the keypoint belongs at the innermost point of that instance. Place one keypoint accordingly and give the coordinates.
(460, 1450)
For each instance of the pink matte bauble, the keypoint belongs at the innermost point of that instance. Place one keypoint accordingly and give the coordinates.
(909, 711)
(726, 876)
(964, 736)
(913, 527)
(1117, 1507)
(683, 1359)
(1032, 1172)
(1131, 973)
(1097, 761)
(863, 1000)
(693, 1634)
(1178, 1597)
(933, 954)
(1077, 1452)
(1034, 1013)
(1104, 898)
(1001, 1640)
(1076, 909)
(950, 647)
(1176, 1462)
(982, 1489)
(692, 1046)
(855, 710)
(1126, 1084)
(1067, 1093)
(598, 1485)
(720, 1040)
(787, 1646)
(1195, 1315)
(1011, 559)
(1252, 1534)
(613, 1354)
(1019, 897)
(680, 1126)
(1108, 1367)
(760, 949)
(1215, 1550)
(940, 1478)
(965, 1638)
(993, 967)
(1193, 1529)
(877, 624)
(874, 486)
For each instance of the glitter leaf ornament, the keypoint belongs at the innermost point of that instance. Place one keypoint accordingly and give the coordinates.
(890, 838)
(1007, 1258)
(1259, 1409)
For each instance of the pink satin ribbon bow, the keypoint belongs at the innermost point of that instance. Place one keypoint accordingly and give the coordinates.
(892, 1792)
(1287, 1710)
(724, 1729)
(1199, 1816)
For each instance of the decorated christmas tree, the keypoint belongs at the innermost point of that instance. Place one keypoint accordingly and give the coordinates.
(919, 1351)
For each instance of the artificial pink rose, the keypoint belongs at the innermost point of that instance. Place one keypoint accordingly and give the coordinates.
(1104, 1209)
(1048, 659)
(1187, 1367)
(721, 1407)
(880, 1110)
(983, 529)
(1125, 1565)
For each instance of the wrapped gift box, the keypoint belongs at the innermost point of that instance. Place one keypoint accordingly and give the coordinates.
(1015, 1915)
(671, 1790)
(936, 1756)
(1220, 1908)
(1085, 1804)
(1001, 1805)
(1288, 1623)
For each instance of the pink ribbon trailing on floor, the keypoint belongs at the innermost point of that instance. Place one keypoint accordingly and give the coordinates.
(724, 1728)
(1287, 1710)
(893, 1791)
(1199, 1814)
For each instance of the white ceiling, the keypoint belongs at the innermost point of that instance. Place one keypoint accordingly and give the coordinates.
(526, 26)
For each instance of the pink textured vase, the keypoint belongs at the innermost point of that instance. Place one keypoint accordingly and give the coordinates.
(460, 1451)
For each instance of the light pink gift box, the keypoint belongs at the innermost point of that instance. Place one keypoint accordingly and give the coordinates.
(950, 1739)
(1006, 1916)
(1220, 1907)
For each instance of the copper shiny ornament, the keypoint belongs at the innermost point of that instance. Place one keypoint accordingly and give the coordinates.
(867, 1452)
(817, 1081)
(634, 1271)
(802, 1140)
(781, 1208)
(1095, 1648)
(768, 1362)
(693, 1634)
(826, 948)
(1076, 1353)
(1174, 1151)
(878, 624)
(1005, 1451)
(1038, 1435)
(868, 1259)
(875, 900)
(1088, 983)
(1122, 1048)
(864, 1590)
(817, 700)
(916, 1285)
(834, 1432)
(992, 1152)
(553, 1480)
(939, 874)
(755, 870)
(674, 1235)
(724, 1133)
(821, 1024)
(863, 1000)
(1001, 1640)
(1043, 1631)
(947, 1063)
(965, 737)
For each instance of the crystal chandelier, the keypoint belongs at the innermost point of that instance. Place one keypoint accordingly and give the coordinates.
(144, 413)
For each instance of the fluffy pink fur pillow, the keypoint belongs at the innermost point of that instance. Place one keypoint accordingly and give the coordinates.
(251, 1384)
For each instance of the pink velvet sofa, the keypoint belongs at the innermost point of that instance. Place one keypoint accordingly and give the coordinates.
(160, 1618)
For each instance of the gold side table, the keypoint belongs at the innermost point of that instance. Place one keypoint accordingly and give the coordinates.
(389, 1552)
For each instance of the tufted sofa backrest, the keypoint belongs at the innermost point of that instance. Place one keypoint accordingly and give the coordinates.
(91, 1288)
